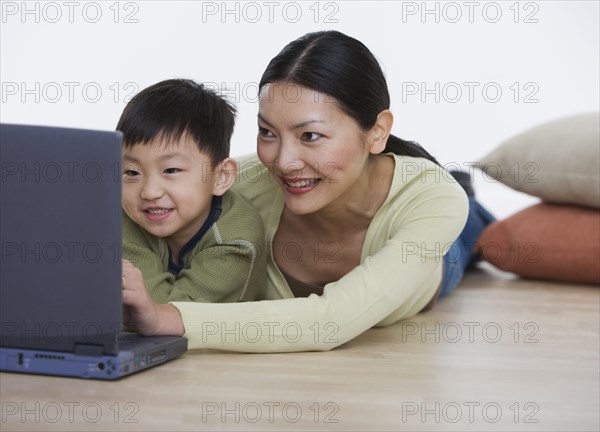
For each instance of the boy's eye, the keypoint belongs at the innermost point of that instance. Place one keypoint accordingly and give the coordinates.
(130, 173)
(310, 136)
(172, 170)
(264, 132)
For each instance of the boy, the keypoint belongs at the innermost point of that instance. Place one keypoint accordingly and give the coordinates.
(185, 235)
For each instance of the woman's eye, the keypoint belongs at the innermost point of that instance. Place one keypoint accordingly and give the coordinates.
(264, 132)
(311, 136)
(130, 173)
(172, 170)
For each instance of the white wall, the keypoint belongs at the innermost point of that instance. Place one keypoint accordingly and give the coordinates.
(70, 63)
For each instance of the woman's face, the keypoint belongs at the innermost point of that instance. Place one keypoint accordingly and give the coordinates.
(314, 150)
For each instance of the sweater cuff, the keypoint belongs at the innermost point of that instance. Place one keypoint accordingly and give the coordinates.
(228, 326)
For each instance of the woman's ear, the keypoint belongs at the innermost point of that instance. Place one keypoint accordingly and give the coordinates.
(380, 131)
(226, 173)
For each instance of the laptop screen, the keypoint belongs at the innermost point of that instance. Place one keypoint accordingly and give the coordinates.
(60, 239)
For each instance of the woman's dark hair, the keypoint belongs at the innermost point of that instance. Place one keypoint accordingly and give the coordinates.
(342, 67)
(171, 108)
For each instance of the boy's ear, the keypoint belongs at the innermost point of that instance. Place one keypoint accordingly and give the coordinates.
(380, 131)
(226, 173)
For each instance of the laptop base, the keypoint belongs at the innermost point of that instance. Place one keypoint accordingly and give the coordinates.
(145, 352)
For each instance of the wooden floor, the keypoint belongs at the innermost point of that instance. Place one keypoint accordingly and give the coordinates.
(498, 354)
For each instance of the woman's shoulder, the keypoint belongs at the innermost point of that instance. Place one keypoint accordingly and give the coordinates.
(418, 174)
(410, 167)
(421, 187)
(253, 179)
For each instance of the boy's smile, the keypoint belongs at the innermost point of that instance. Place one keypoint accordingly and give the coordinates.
(168, 188)
(157, 213)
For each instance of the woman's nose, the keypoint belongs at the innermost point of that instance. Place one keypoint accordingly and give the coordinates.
(289, 160)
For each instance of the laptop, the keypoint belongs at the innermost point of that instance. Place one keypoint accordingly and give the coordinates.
(60, 263)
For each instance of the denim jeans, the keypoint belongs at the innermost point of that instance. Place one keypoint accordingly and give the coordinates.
(460, 256)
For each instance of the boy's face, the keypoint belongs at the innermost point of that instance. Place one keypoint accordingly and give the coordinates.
(168, 188)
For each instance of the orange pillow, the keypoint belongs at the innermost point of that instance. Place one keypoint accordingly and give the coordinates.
(546, 241)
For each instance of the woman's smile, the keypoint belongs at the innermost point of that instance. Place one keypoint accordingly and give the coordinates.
(297, 185)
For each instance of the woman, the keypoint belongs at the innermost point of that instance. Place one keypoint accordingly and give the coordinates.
(357, 220)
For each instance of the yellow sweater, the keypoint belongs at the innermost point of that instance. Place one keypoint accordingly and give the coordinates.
(400, 269)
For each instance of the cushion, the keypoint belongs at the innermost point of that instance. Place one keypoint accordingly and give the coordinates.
(558, 161)
(546, 241)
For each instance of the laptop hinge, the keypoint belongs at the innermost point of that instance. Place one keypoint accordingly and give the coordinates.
(89, 350)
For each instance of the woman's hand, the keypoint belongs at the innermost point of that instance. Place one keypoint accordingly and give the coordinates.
(140, 312)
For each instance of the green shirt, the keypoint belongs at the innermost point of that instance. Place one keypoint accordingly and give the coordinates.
(227, 264)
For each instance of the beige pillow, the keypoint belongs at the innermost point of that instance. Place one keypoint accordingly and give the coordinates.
(558, 161)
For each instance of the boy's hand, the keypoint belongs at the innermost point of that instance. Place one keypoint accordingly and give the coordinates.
(140, 312)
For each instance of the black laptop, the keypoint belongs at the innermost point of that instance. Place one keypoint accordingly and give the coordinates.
(60, 257)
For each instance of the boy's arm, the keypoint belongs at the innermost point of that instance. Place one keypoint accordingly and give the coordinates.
(219, 273)
(228, 265)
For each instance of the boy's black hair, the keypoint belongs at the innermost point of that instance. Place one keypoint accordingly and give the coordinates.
(174, 107)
